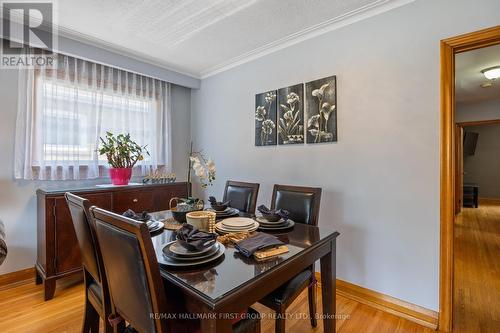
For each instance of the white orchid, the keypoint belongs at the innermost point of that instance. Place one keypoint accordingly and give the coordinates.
(203, 168)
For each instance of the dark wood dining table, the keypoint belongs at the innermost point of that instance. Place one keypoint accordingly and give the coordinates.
(218, 290)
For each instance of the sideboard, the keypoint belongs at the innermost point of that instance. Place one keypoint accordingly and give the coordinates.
(58, 254)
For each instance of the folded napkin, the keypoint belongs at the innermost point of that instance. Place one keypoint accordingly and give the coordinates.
(144, 216)
(193, 239)
(3, 245)
(266, 211)
(260, 241)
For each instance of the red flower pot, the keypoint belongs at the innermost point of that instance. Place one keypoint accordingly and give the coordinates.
(120, 176)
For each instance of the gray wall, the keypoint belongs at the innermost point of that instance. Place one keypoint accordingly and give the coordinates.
(475, 111)
(17, 198)
(381, 180)
(483, 168)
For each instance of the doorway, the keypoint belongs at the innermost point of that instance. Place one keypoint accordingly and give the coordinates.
(450, 150)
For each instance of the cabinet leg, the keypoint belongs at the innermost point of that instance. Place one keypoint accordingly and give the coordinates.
(38, 278)
(49, 289)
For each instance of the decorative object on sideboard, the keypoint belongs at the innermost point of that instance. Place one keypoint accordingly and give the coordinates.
(122, 154)
(265, 119)
(321, 110)
(179, 207)
(291, 114)
(204, 168)
(159, 177)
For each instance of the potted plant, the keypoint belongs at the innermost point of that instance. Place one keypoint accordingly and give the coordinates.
(122, 154)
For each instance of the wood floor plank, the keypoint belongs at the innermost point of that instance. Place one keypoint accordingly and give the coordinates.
(22, 309)
(476, 296)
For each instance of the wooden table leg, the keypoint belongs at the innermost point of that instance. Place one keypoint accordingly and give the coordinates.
(216, 324)
(328, 290)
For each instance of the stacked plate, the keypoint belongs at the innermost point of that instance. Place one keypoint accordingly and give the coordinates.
(154, 226)
(236, 224)
(273, 226)
(174, 254)
(222, 214)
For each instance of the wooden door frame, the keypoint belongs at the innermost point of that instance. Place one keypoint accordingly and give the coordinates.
(450, 47)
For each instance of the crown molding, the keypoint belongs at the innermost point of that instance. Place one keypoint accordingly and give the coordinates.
(374, 8)
(139, 56)
(369, 10)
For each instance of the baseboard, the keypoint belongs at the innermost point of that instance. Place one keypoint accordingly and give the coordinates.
(386, 303)
(13, 279)
(491, 201)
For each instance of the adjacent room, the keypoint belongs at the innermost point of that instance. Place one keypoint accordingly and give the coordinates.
(250, 166)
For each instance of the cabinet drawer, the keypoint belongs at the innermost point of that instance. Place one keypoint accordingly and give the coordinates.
(138, 201)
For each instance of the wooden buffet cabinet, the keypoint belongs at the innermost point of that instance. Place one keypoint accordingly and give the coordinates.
(58, 254)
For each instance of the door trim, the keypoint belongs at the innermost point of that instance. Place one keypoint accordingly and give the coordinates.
(450, 47)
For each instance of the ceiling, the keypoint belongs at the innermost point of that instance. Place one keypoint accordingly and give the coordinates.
(468, 76)
(203, 37)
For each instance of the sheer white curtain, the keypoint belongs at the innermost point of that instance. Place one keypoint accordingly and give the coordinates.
(62, 113)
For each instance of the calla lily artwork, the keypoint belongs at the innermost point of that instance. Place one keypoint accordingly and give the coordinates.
(321, 110)
(291, 115)
(265, 119)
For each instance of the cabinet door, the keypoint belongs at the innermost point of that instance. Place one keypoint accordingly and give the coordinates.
(67, 250)
(137, 200)
(163, 195)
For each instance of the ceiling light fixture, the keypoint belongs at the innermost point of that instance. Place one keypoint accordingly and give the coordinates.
(491, 73)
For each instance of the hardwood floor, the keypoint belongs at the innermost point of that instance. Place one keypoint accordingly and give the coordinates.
(477, 269)
(22, 309)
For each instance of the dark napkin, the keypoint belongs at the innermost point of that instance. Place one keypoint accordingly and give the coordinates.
(193, 239)
(260, 241)
(144, 216)
(283, 213)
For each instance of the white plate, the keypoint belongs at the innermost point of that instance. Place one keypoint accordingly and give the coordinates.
(221, 229)
(163, 260)
(238, 222)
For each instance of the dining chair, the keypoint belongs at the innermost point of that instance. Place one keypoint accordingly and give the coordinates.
(97, 300)
(303, 205)
(242, 196)
(135, 284)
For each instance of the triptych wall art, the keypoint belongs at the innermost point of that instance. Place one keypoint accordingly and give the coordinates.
(293, 115)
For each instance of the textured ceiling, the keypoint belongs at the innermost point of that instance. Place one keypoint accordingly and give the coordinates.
(468, 76)
(200, 37)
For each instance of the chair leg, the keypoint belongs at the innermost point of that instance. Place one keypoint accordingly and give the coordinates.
(90, 319)
(280, 321)
(312, 304)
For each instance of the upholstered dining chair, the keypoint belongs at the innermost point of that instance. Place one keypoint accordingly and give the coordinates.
(303, 204)
(243, 196)
(136, 286)
(97, 300)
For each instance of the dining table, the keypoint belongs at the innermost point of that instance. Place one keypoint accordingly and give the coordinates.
(216, 291)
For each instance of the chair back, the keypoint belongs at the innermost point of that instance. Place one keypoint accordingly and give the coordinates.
(302, 202)
(132, 270)
(85, 234)
(243, 196)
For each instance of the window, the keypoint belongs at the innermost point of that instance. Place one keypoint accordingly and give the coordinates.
(65, 111)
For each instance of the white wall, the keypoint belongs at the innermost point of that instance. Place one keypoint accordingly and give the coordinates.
(476, 111)
(17, 198)
(482, 167)
(381, 180)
